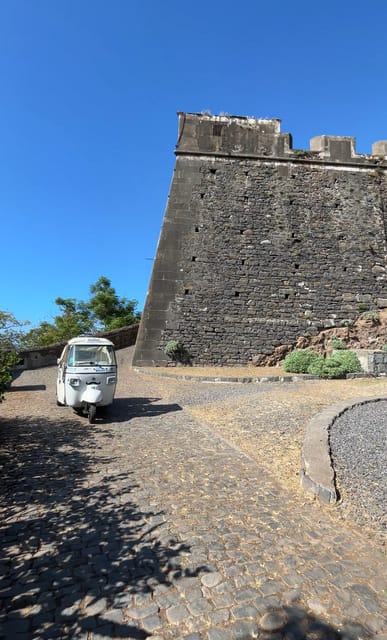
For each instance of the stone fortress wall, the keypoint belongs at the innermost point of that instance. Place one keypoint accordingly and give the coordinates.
(262, 243)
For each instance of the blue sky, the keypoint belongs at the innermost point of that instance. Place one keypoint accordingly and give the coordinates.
(88, 125)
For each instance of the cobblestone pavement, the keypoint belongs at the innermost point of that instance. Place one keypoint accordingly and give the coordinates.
(150, 524)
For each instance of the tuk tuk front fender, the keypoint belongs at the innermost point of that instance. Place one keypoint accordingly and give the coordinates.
(92, 395)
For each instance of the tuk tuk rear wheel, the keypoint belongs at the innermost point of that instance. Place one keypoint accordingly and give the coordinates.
(91, 411)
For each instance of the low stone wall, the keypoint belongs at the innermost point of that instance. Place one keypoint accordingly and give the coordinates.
(373, 362)
(47, 356)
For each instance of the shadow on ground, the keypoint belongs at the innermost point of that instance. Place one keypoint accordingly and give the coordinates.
(124, 409)
(294, 623)
(27, 387)
(76, 548)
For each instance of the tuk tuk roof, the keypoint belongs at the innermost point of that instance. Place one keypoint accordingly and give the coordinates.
(90, 340)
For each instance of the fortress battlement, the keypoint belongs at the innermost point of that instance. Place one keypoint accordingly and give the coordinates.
(239, 136)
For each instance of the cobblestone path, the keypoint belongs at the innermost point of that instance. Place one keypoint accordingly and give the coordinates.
(149, 524)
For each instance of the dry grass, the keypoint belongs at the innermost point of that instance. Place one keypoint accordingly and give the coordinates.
(220, 372)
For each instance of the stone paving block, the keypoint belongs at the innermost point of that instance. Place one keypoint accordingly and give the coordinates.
(211, 579)
(219, 633)
(138, 613)
(152, 623)
(218, 617)
(111, 615)
(199, 607)
(104, 632)
(243, 611)
(243, 629)
(96, 606)
(177, 614)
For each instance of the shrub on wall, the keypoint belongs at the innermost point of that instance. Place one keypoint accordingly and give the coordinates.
(338, 344)
(175, 350)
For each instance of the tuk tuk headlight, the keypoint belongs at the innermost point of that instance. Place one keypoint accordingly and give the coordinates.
(111, 380)
(75, 382)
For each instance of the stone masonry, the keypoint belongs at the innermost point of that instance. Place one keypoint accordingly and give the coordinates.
(262, 243)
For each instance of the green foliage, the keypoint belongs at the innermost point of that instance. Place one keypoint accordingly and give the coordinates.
(349, 360)
(10, 337)
(299, 360)
(7, 360)
(175, 350)
(316, 367)
(384, 347)
(11, 332)
(338, 344)
(75, 319)
(336, 366)
(108, 310)
(372, 315)
(103, 312)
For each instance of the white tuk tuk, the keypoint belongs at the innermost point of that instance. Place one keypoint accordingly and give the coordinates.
(87, 375)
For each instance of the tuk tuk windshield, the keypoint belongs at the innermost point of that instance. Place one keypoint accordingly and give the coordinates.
(84, 355)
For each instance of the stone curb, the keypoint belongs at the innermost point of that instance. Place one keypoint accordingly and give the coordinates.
(241, 379)
(317, 474)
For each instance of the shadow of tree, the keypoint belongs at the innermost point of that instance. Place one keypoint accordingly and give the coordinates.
(76, 549)
(293, 622)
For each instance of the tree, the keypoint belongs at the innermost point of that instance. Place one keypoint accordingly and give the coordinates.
(103, 312)
(75, 319)
(108, 310)
(10, 339)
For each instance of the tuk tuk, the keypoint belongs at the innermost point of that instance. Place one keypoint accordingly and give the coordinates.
(87, 375)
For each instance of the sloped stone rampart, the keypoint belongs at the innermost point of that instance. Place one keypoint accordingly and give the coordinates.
(261, 243)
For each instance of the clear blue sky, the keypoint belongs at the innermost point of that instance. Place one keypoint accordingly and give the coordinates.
(88, 125)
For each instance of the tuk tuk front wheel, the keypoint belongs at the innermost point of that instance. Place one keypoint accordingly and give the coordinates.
(91, 411)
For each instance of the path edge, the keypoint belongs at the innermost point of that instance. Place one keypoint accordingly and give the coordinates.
(317, 474)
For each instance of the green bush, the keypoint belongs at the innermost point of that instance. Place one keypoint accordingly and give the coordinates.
(7, 360)
(175, 350)
(336, 366)
(338, 344)
(316, 367)
(349, 360)
(372, 315)
(299, 360)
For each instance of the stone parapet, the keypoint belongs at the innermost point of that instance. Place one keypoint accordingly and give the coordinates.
(47, 356)
(254, 137)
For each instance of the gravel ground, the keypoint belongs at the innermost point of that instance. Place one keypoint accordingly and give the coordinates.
(358, 441)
